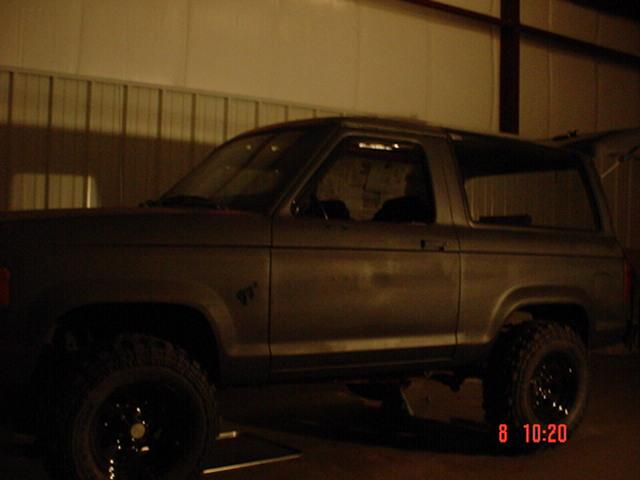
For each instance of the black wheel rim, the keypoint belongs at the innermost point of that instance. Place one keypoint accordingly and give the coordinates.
(143, 431)
(553, 388)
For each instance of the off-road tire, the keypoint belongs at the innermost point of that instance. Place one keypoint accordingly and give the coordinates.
(511, 387)
(173, 394)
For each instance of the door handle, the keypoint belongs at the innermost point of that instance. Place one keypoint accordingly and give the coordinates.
(431, 246)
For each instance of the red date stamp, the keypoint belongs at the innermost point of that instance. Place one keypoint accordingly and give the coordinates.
(537, 433)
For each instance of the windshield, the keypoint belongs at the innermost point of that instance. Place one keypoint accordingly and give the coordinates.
(247, 173)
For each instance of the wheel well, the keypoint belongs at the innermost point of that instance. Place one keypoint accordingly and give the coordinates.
(571, 315)
(185, 326)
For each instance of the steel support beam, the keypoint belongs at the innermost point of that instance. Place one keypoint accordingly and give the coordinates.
(510, 66)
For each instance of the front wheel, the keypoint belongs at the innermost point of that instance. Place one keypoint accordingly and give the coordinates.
(537, 375)
(140, 409)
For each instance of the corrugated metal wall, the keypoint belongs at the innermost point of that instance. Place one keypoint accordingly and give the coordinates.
(77, 142)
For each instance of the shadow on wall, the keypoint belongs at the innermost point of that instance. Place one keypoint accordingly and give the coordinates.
(44, 168)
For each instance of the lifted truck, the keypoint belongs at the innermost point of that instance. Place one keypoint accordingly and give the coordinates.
(352, 249)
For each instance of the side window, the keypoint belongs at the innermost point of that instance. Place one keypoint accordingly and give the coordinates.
(367, 179)
(514, 183)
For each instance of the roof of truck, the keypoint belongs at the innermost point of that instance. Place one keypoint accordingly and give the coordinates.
(389, 124)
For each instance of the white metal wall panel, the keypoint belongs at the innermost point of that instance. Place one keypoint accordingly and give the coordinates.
(210, 124)
(41, 34)
(241, 116)
(534, 90)
(271, 113)
(10, 26)
(315, 57)
(462, 84)
(156, 36)
(141, 145)
(143, 40)
(561, 92)
(618, 97)
(177, 136)
(105, 147)
(393, 60)
(619, 33)
(299, 113)
(67, 148)
(5, 85)
(232, 46)
(582, 23)
(29, 151)
(488, 7)
(327, 113)
(104, 39)
(572, 93)
(573, 20)
(535, 13)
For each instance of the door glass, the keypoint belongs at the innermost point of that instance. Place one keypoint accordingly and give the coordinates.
(367, 179)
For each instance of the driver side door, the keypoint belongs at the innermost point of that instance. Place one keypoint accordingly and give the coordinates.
(365, 268)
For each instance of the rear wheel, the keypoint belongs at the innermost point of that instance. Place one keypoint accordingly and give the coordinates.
(538, 375)
(140, 409)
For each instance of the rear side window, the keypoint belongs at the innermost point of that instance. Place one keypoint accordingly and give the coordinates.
(519, 184)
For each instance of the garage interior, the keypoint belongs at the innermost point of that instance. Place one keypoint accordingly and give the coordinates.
(109, 103)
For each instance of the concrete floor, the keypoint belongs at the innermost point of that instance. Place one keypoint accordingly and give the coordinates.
(343, 437)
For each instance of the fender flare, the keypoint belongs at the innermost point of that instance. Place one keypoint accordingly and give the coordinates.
(520, 298)
(54, 303)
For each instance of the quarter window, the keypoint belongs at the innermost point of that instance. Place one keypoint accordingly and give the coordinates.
(515, 183)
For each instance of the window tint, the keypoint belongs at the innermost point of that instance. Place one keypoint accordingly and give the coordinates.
(515, 183)
(373, 180)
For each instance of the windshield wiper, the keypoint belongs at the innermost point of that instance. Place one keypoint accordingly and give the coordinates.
(185, 201)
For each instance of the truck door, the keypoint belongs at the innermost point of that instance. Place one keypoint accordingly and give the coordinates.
(365, 263)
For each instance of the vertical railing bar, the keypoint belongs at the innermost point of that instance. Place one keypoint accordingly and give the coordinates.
(7, 174)
(87, 136)
(49, 144)
(123, 139)
(225, 120)
(192, 135)
(158, 148)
